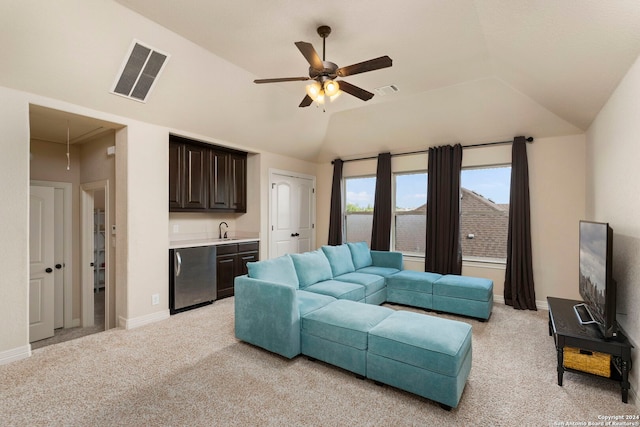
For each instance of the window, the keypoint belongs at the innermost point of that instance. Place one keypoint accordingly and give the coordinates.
(410, 213)
(359, 198)
(484, 213)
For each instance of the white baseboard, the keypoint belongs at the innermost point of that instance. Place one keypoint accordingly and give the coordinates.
(136, 322)
(15, 354)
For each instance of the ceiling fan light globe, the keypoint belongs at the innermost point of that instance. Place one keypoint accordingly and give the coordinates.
(331, 88)
(313, 90)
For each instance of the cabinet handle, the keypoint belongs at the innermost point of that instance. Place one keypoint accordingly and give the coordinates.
(295, 234)
(178, 263)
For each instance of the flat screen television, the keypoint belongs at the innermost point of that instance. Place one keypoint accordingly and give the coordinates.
(597, 287)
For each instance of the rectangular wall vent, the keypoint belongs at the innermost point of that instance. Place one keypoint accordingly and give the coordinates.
(139, 72)
(386, 90)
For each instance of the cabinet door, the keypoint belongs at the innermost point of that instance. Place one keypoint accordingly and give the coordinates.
(176, 175)
(226, 267)
(243, 259)
(219, 172)
(238, 184)
(196, 175)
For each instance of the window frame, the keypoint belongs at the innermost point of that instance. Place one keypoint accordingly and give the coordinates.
(475, 259)
(344, 202)
(394, 218)
(421, 256)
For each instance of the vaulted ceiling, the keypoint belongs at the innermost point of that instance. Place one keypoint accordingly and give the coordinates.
(467, 71)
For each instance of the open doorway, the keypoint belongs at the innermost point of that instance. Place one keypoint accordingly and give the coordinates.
(68, 152)
(95, 247)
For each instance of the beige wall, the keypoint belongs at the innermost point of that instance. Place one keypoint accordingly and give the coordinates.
(613, 189)
(557, 191)
(14, 225)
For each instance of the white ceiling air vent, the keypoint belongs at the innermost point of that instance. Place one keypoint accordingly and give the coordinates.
(386, 90)
(139, 71)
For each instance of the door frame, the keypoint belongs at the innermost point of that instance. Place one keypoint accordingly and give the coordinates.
(280, 172)
(67, 188)
(87, 191)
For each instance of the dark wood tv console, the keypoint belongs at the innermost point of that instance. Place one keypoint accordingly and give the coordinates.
(568, 332)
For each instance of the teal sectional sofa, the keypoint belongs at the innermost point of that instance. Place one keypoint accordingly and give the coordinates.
(325, 304)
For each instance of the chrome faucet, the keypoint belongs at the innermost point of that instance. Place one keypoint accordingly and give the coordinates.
(220, 235)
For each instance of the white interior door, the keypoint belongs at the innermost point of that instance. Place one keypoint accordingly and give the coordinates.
(292, 214)
(41, 263)
(58, 272)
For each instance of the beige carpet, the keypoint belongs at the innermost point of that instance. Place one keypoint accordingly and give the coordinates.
(66, 334)
(189, 370)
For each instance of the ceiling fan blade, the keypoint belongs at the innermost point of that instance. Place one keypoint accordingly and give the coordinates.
(355, 90)
(282, 79)
(306, 101)
(363, 67)
(310, 55)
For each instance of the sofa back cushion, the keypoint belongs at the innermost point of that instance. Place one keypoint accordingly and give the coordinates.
(311, 267)
(279, 270)
(340, 259)
(360, 254)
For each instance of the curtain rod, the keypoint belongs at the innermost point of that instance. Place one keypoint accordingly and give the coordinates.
(484, 144)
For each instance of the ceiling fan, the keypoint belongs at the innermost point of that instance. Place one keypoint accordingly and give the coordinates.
(323, 73)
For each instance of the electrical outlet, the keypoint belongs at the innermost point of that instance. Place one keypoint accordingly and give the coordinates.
(155, 299)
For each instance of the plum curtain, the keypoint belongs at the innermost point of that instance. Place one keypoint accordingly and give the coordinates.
(443, 253)
(335, 212)
(519, 289)
(381, 229)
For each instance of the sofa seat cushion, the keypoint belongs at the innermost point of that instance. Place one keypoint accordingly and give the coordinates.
(311, 267)
(379, 271)
(427, 342)
(345, 322)
(360, 254)
(339, 290)
(339, 258)
(371, 282)
(464, 287)
(311, 301)
(416, 281)
(278, 270)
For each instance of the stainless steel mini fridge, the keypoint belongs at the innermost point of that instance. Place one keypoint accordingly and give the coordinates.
(192, 277)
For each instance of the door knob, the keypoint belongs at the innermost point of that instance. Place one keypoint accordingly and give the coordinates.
(58, 266)
(49, 270)
(295, 234)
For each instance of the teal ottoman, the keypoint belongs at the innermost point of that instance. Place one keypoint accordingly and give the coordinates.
(421, 354)
(469, 296)
(414, 288)
(338, 333)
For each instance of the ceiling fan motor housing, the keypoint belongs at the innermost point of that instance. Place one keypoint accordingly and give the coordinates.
(329, 70)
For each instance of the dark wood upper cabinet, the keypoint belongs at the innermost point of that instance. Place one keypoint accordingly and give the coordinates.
(238, 186)
(176, 175)
(196, 177)
(205, 177)
(219, 171)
